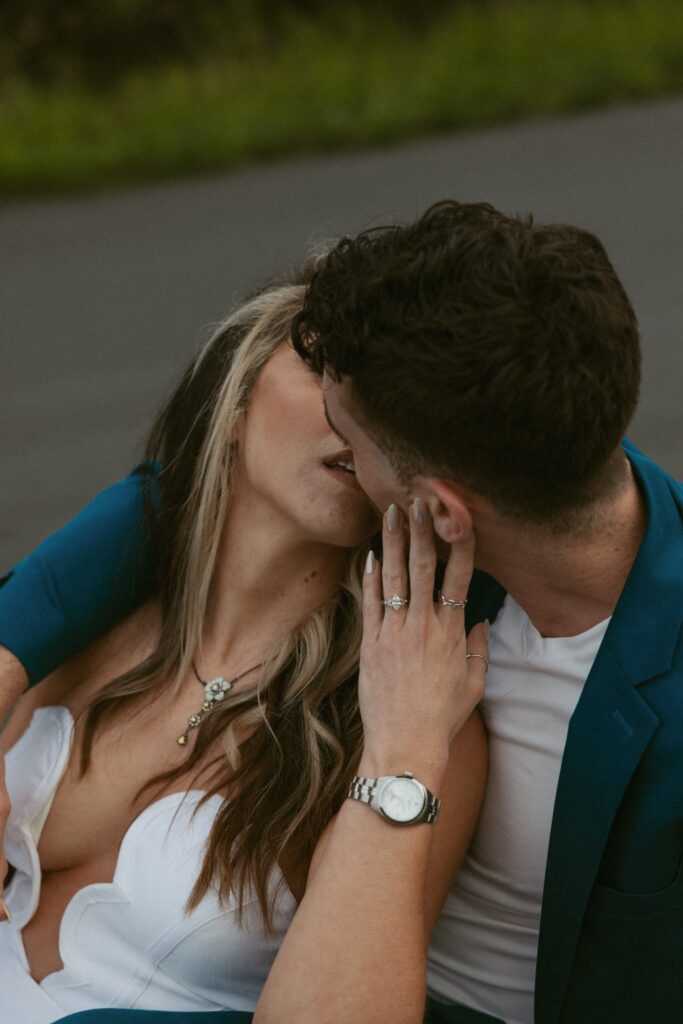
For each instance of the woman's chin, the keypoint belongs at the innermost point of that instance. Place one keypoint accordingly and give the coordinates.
(350, 534)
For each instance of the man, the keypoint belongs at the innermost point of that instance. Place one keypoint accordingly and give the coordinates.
(488, 366)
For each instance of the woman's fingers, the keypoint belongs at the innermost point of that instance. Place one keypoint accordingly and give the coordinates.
(422, 558)
(394, 567)
(456, 580)
(409, 576)
(373, 610)
(477, 659)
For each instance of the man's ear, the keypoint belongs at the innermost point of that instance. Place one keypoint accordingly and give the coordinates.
(450, 510)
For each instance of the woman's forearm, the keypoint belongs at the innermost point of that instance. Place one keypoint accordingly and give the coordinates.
(356, 949)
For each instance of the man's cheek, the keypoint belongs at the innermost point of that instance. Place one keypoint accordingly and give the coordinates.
(370, 487)
(372, 497)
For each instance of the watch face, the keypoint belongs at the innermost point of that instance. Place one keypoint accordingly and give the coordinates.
(402, 799)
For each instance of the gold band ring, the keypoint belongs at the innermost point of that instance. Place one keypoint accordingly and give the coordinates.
(6, 909)
(474, 654)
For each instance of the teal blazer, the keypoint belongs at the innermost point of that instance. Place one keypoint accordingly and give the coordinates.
(611, 934)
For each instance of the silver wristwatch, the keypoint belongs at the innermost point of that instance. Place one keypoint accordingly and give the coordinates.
(400, 799)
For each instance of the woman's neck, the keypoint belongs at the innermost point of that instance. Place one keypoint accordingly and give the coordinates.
(267, 580)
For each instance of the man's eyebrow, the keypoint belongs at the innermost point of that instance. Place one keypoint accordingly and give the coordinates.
(331, 424)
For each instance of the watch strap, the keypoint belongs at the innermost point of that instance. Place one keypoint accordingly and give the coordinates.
(363, 789)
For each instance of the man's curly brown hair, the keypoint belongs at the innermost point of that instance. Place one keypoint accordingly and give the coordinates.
(483, 348)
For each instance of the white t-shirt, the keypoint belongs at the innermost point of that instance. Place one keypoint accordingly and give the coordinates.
(483, 951)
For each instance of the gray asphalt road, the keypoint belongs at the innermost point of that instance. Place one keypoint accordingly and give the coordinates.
(104, 298)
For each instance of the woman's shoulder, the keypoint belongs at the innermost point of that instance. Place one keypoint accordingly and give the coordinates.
(74, 683)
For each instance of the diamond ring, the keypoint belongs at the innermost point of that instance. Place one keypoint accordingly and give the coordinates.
(396, 602)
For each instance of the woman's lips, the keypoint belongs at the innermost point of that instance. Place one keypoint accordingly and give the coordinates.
(344, 476)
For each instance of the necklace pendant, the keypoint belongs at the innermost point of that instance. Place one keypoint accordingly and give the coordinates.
(216, 689)
(214, 692)
(192, 723)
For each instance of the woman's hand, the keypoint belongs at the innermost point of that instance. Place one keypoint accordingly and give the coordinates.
(416, 685)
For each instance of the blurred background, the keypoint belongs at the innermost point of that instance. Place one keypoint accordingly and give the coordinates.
(160, 157)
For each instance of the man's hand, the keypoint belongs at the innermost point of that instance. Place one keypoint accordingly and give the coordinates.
(13, 682)
(4, 814)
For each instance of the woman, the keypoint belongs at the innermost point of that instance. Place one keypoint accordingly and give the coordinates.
(171, 782)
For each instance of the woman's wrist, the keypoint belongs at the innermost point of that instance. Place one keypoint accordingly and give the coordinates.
(427, 765)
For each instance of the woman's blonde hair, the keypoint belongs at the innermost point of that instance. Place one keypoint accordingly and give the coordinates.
(301, 718)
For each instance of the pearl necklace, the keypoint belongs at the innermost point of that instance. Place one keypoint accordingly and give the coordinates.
(214, 692)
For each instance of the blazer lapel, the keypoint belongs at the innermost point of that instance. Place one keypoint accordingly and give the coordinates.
(608, 733)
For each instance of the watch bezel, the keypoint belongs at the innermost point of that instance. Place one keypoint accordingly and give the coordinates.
(385, 783)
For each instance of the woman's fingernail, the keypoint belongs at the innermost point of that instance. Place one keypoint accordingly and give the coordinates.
(419, 510)
(487, 626)
(393, 519)
(370, 562)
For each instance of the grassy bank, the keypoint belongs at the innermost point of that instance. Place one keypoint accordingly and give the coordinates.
(342, 80)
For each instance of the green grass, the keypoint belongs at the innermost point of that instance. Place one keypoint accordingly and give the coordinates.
(340, 82)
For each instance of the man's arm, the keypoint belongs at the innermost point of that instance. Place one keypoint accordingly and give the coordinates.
(13, 682)
(356, 950)
(75, 586)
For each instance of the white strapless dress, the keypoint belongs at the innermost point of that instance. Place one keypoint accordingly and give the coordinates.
(129, 942)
